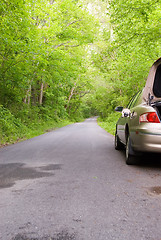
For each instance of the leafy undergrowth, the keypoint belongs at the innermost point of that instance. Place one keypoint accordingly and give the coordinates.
(109, 124)
(22, 132)
(13, 130)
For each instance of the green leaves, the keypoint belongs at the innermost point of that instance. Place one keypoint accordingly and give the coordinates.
(136, 20)
(43, 52)
(128, 45)
(136, 27)
(9, 125)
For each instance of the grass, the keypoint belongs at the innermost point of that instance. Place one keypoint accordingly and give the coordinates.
(36, 129)
(109, 124)
(18, 132)
(46, 127)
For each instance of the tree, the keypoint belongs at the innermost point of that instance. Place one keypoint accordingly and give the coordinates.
(43, 47)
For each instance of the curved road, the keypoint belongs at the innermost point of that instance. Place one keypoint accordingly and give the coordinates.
(70, 184)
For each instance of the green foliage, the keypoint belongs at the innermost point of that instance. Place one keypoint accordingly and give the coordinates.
(136, 21)
(109, 123)
(43, 47)
(68, 59)
(132, 44)
(11, 128)
(42, 43)
(33, 123)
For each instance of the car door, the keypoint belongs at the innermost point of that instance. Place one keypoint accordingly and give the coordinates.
(125, 118)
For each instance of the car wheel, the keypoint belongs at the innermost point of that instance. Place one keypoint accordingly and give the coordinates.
(118, 144)
(130, 154)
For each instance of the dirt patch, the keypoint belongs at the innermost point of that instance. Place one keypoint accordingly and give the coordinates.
(156, 190)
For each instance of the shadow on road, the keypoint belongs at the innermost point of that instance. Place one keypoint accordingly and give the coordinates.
(150, 160)
(146, 160)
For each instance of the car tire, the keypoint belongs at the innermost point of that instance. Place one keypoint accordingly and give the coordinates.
(130, 154)
(118, 144)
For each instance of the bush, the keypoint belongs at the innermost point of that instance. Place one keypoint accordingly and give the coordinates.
(109, 124)
(11, 128)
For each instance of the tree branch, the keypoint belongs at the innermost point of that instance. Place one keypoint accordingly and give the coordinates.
(72, 45)
(61, 44)
(84, 93)
(74, 22)
(11, 65)
(64, 44)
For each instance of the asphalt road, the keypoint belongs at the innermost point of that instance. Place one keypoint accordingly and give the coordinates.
(70, 184)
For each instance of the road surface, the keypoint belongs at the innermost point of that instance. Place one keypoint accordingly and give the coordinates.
(70, 184)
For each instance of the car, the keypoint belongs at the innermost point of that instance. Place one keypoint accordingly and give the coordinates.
(138, 129)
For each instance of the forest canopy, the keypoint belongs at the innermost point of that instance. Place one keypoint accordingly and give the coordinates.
(70, 59)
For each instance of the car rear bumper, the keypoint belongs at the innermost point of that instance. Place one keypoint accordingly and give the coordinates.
(146, 142)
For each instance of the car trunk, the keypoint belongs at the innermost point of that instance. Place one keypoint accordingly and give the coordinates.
(152, 90)
(157, 107)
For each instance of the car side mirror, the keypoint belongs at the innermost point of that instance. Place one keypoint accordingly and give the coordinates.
(118, 109)
(126, 112)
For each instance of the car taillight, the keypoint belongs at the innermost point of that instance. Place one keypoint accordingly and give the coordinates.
(149, 117)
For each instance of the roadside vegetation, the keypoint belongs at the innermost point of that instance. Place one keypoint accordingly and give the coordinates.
(126, 57)
(109, 123)
(63, 61)
(12, 129)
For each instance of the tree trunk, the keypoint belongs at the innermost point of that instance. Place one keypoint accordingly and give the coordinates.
(29, 95)
(26, 99)
(41, 93)
(70, 96)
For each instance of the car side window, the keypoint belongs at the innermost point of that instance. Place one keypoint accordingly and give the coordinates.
(134, 103)
(133, 100)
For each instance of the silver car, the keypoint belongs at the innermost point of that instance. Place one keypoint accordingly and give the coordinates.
(139, 127)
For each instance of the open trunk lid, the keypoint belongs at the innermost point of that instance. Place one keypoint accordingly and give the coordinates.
(152, 90)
